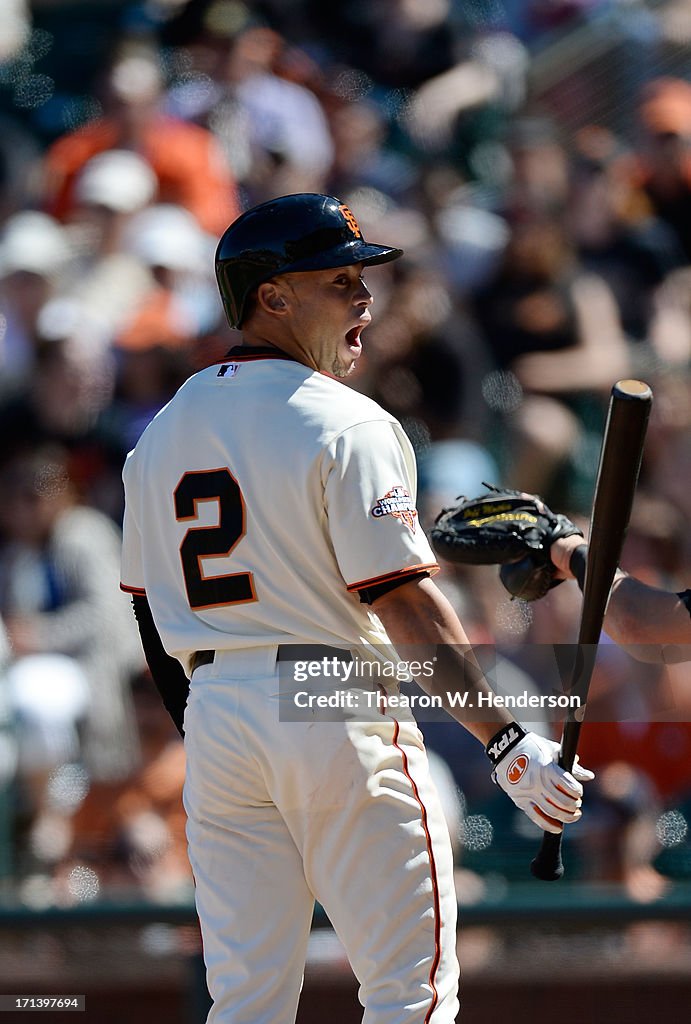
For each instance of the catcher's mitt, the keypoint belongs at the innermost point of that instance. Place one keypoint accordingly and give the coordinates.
(507, 528)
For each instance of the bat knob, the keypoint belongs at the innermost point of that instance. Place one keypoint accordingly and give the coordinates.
(551, 874)
(548, 865)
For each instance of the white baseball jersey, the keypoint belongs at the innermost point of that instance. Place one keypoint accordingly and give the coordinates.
(260, 500)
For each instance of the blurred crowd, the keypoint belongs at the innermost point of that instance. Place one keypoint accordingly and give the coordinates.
(548, 254)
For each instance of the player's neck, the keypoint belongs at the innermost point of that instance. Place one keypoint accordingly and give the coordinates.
(255, 337)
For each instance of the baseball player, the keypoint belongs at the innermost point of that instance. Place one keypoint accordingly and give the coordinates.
(268, 506)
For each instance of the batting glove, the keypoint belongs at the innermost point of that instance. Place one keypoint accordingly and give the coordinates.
(526, 768)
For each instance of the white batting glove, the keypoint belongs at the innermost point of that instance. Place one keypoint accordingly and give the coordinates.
(526, 768)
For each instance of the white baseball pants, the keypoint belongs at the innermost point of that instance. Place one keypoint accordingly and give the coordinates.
(282, 813)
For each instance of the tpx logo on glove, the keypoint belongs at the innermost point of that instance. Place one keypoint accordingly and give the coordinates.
(507, 738)
(517, 769)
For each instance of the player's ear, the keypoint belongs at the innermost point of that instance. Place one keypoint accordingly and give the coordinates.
(271, 298)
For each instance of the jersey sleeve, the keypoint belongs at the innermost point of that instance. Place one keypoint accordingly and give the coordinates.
(370, 492)
(131, 562)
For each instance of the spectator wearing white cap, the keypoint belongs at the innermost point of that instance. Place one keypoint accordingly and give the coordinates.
(190, 166)
(47, 701)
(112, 188)
(48, 698)
(35, 257)
(115, 182)
(180, 255)
(155, 346)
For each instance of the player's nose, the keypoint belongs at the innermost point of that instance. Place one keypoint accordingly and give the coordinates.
(363, 296)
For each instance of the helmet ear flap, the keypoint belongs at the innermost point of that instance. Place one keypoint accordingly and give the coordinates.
(235, 312)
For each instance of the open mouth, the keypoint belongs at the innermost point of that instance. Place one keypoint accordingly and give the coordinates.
(353, 338)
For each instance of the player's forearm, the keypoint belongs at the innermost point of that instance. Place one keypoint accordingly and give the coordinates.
(653, 625)
(647, 620)
(418, 616)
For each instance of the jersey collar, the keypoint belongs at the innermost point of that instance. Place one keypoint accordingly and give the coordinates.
(247, 352)
(250, 353)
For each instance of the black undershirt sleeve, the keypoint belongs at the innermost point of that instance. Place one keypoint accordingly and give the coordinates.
(577, 564)
(166, 672)
(685, 598)
(370, 594)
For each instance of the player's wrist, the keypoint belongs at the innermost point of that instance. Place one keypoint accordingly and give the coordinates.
(504, 741)
(562, 550)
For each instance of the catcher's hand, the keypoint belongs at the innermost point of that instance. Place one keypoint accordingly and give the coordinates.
(526, 768)
(508, 528)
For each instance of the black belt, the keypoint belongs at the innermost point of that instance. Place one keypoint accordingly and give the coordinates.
(201, 658)
(286, 652)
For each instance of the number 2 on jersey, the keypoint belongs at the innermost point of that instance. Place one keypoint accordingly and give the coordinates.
(199, 542)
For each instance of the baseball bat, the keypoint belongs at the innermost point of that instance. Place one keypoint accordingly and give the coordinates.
(617, 475)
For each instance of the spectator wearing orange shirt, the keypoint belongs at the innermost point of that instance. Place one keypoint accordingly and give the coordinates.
(187, 159)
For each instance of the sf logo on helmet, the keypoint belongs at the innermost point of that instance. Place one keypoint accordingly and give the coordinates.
(517, 768)
(350, 220)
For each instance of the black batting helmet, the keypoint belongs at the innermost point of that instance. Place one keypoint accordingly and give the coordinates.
(306, 231)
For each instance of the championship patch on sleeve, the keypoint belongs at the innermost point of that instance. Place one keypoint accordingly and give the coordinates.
(397, 503)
